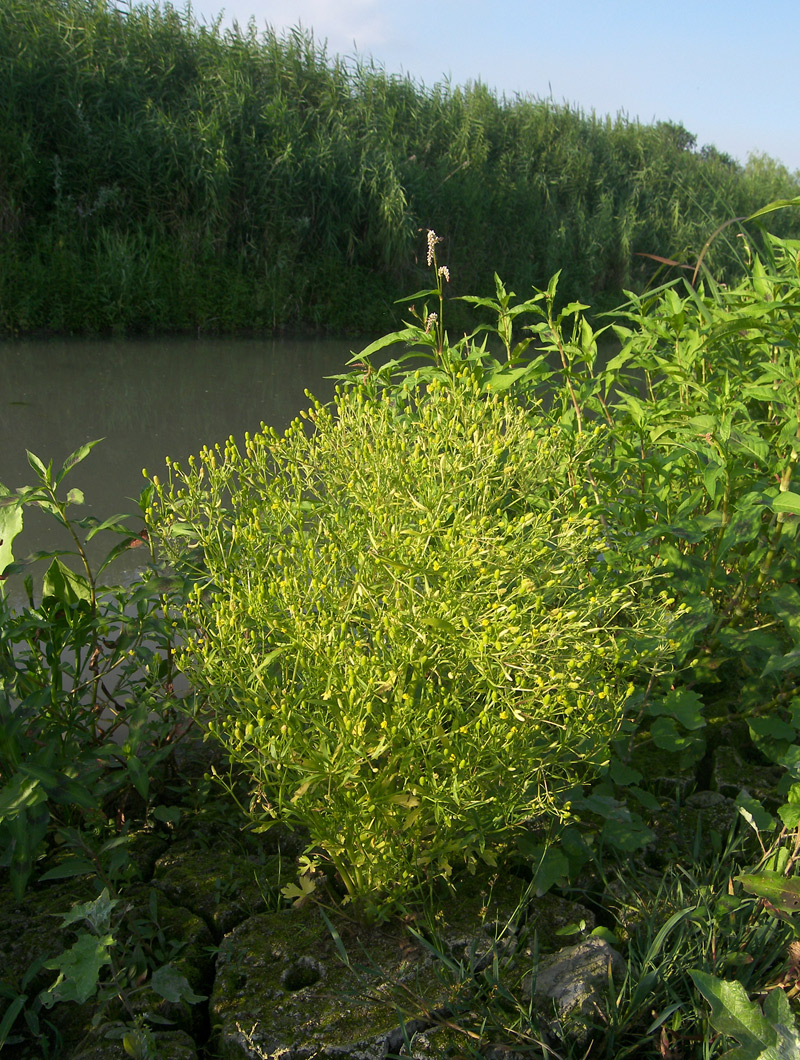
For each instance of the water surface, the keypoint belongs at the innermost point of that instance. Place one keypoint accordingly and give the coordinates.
(147, 399)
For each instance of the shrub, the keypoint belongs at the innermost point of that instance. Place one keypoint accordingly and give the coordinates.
(403, 621)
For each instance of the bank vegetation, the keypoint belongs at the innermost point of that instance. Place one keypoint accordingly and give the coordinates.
(159, 174)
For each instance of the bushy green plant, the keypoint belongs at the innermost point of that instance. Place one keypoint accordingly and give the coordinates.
(404, 623)
(696, 468)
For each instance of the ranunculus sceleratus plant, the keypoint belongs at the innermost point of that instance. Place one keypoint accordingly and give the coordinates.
(404, 622)
(404, 631)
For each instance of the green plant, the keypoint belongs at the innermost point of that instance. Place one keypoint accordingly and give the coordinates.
(162, 175)
(405, 623)
(98, 967)
(86, 708)
(770, 1033)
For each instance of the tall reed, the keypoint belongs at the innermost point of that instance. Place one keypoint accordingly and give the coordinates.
(156, 173)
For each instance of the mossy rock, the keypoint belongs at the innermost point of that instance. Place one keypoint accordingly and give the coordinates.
(444, 1043)
(223, 887)
(145, 848)
(731, 772)
(282, 988)
(669, 774)
(491, 908)
(680, 826)
(568, 988)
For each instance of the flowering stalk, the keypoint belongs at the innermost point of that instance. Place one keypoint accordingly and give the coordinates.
(434, 322)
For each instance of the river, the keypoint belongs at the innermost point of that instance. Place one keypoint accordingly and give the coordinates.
(148, 399)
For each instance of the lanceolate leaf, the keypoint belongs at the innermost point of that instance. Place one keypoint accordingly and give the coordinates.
(10, 526)
(787, 502)
(75, 458)
(65, 585)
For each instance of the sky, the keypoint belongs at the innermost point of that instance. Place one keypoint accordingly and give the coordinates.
(728, 70)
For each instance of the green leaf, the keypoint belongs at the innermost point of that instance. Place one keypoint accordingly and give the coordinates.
(22, 792)
(646, 799)
(778, 204)
(10, 526)
(606, 934)
(139, 777)
(79, 969)
(744, 527)
(753, 812)
(778, 1013)
(97, 913)
(64, 585)
(686, 707)
(60, 788)
(75, 458)
(789, 812)
(42, 472)
(549, 866)
(771, 735)
(68, 869)
(628, 835)
(406, 335)
(28, 831)
(114, 522)
(786, 502)
(167, 814)
(782, 663)
(783, 892)
(733, 1014)
(784, 603)
(666, 736)
(10, 1016)
(168, 983)
(623, 774)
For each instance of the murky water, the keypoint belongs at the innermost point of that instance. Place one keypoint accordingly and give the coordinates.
(147, 399)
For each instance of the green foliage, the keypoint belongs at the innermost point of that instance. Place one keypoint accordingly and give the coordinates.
(771, 1034)
(472, 610)
(405, 625)
(85, 707)
(675, 931)
(159, 174)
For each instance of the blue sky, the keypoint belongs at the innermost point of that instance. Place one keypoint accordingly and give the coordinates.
(728, 70)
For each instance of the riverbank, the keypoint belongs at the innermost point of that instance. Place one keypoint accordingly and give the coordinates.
(513, 619)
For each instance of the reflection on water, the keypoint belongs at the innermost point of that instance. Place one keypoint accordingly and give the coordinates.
(148, 399)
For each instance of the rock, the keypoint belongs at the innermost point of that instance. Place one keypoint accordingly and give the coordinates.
(282, 989)
(144, 849)
(31, 932)
(730, 773)
(574, 981)
(223, 888)
(490, 912)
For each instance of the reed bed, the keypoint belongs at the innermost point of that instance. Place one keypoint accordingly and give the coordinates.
(160, 174)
